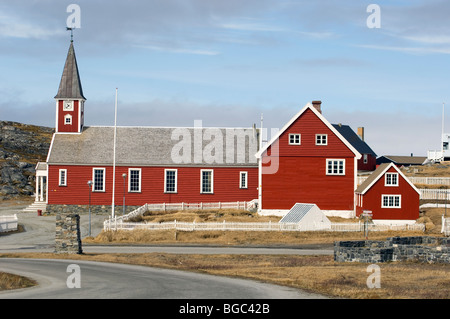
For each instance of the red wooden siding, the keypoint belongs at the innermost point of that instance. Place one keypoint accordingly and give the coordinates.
(409, 200)
(226, 186)
(62, 127)
(371, 164)
(301, 175)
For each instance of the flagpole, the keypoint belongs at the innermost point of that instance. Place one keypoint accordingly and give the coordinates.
(114, 159)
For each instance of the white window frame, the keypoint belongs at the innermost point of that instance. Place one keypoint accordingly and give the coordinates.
(93, 179)
(388, 196)
(165, 181)
(321, 139)
(139, 181)
(245, 175)
(212, 181)
(388, 181)
(62, 177)
(333, 160)
(68, 117)
(295, 139)
(365, 158)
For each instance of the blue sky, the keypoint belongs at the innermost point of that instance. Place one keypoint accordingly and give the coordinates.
(226, 62)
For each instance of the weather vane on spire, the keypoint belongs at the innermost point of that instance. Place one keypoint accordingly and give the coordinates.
(71, 33)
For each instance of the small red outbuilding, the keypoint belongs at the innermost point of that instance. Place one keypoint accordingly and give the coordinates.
(389, 194)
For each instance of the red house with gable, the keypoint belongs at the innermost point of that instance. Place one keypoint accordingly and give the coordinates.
(308, 161)
(389, 195)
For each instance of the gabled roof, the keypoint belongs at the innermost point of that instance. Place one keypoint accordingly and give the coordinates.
(379, 173)
(353, 138)
(70, 85)
(309, 106)
(156, 146)
(402, 160)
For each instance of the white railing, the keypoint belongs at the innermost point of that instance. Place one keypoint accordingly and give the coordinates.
(119, 224)
(430, 180)
(445, 226)
(8, 223)
(436, 194)
(435, 155)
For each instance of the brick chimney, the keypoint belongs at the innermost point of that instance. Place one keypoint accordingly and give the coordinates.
(317, 105)
(361, 133)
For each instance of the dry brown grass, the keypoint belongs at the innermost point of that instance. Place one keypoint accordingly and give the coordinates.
(10, 281)
(235, 237)
(433, 170)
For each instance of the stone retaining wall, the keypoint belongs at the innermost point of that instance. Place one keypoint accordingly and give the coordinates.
(84, 209)
(418, 248)
(67, 236)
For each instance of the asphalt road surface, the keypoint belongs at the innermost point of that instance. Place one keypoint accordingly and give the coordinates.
(95, 280)
(109, 280)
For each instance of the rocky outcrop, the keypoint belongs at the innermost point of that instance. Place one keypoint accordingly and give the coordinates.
(21, 147)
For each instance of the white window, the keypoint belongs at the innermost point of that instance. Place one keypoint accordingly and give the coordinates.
(366, 158)
(63, 177)
(98, 176)
(391, 179)
(68, 119)
(391, 201)
(170, 180)
(335, 167)
(294, 139)
(321, 139)
(134, 180)
(206, 181)
(243, 179)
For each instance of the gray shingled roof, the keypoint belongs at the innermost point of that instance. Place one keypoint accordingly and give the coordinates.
(70, 85)
(297, 212)
(149, 146)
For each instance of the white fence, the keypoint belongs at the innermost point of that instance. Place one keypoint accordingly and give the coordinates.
(436, 194)
(8, 223)
(417, 180)
(119, 224)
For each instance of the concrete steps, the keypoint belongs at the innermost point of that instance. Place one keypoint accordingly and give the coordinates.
(36, 206)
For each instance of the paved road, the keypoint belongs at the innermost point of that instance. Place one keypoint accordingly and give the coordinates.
(113, 281)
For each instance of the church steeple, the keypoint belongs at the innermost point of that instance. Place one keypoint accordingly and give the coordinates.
(70, 85)
(70, 98)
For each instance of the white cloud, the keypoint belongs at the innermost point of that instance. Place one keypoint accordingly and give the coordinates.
(15, 27)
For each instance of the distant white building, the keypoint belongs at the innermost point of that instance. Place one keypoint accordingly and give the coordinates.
(441, 155)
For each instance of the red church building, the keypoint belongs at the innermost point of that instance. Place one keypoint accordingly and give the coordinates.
(389, 195)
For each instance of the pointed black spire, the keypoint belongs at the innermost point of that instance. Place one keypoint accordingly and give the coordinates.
(70, 85)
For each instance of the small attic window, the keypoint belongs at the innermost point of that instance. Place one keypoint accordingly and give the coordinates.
(294, 139)
(391, 179)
